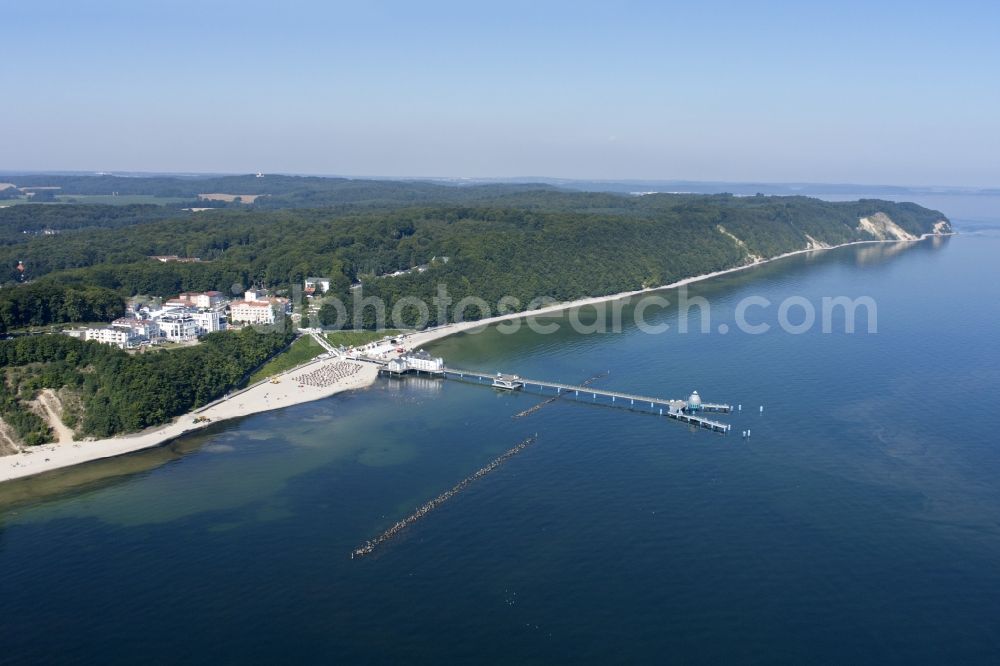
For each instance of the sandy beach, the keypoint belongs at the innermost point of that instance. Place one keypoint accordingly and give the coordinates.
(421, 338)
(259, 398)
(290, 391)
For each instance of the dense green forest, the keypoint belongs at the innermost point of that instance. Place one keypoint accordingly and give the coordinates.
(523, 243)
(19, 224)
(46, 302)
(122, 392)
(277, 191)
(78, 262)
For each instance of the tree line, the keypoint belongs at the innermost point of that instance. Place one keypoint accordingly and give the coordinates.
(122, 392)
(527, 244)
(47, 302)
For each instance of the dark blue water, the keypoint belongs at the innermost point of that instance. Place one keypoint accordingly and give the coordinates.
(860, 523)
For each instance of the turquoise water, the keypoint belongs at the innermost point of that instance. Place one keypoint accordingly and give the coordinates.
(860, 523)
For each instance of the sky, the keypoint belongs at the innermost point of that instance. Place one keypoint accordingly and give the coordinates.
(904, 93)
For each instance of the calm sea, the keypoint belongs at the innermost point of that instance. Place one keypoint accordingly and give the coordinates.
(860, 522)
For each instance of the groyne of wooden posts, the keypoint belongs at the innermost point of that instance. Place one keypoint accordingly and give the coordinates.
(534, 408)
(369, 546)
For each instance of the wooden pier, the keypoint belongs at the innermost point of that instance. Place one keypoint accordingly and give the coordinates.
(674, 409)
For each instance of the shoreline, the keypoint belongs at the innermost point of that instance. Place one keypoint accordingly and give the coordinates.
(267, 396)
(261, 397)
(427, 336)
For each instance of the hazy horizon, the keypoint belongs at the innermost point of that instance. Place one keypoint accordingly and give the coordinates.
(541, 179)
(711, 92)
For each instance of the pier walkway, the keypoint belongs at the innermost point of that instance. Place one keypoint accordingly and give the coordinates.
(321, 339)
(674, 409)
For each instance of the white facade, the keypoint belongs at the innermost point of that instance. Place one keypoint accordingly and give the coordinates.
(178, 326)
(397, 365)
(141, 328)
(185, 323)
(425, 362)
(195, 299)
(252, 312)
(314, 284)
(119, 337)
(210, 321)
(208, 299)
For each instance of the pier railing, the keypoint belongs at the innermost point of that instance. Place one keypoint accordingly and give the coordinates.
(671, 408)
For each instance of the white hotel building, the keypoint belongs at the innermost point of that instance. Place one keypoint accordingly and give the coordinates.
(257, 308)
(210, 321)
(252, 312)
(178, 326)
(119, 337)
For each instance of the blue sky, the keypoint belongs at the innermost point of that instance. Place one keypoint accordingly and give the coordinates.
(900, 93)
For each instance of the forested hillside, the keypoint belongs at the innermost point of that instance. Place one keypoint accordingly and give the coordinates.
(120, 392)
(18, 224)
(73, 263)
(276, 191)
(47, 301)
(527, 244)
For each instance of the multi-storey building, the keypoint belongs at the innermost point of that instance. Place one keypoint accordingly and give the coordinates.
(252, 312)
